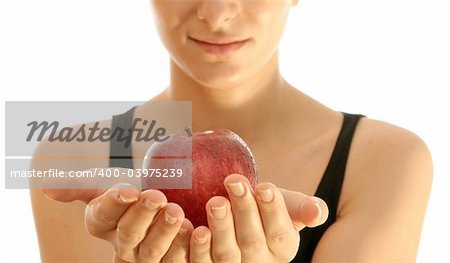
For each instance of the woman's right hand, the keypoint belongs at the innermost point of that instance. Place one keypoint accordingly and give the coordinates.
(142, 227)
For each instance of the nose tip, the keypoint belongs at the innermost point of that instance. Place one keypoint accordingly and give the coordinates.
(217, 12)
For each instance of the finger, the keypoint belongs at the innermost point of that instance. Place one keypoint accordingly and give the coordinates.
(220, 220)
(103, 213)
(134, 223)
(161, 233)
(247, 220)
(179, 250)
(305, 210)
(281, 236)
(200, 246)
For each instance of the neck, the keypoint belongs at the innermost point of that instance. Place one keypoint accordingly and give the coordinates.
(243, 108)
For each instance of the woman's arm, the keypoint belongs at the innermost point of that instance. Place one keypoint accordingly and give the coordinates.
(60, 226)
(387, 187)
(62, 234)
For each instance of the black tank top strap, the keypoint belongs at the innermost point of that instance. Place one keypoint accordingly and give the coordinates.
(330, 187)
(119, 155)
(333, 178)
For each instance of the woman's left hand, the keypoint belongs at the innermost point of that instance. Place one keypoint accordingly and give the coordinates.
(260, 226)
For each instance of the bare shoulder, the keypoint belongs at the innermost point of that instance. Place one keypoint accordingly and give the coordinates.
(385, 157)
(380, 135)
(384, 197)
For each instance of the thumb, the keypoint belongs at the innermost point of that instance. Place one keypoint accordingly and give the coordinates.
(69, 195)
(68, 188)
(305, 210)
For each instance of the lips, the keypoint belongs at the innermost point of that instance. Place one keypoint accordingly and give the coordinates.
(219, 46)
(219, 41)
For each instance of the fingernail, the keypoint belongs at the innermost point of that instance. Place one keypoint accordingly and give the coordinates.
(237, 188)
(126, 199)
(200, 240)
(219, 212)
(266, 195)
(319, 209)
(170, 219)
(148, 203)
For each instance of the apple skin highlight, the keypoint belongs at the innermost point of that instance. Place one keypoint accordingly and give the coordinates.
(210, 157)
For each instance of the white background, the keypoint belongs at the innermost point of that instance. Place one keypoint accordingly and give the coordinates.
(387, 59)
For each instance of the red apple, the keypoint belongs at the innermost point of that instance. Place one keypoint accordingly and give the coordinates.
(210, 156)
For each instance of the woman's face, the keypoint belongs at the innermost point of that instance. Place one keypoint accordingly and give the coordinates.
(242, 35)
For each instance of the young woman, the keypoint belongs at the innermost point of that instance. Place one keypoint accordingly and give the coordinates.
(370, 179)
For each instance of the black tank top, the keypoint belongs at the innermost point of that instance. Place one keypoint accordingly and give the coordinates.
(329, 188)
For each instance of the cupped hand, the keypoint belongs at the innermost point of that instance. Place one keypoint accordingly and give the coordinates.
(260, 226)
(141, 226)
